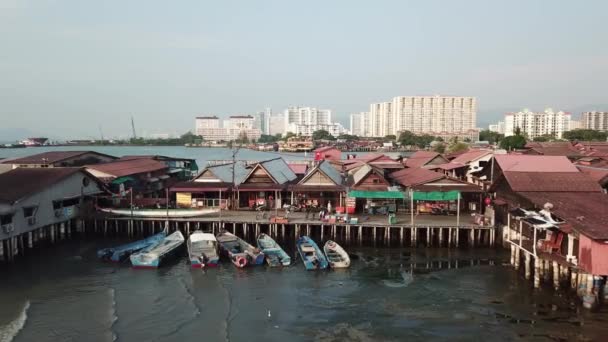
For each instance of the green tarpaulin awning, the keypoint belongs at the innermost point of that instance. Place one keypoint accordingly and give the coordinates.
(376, 194)
(436, 195)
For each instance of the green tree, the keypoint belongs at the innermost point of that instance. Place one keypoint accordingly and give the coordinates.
(439, 147)
(264, 139)
(242, 139)
(348, 137)
(514, 142)
(390, 137)
(585, 135)
(322, 135)
(489, 136)
(407, 138)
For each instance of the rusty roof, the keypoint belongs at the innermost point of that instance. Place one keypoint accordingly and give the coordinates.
(412, 177)
(325, 148)
(551, 182)
(421, 158)
(52, 157)
(24, 182)
(470, 156)
(123, 168)
(530, 163)
(585, 211)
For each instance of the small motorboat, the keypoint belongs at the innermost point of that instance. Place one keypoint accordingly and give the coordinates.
(336, 255)
(152, 256)
(160, 213)
(311, 254)
(202, 250)
(238, 250)
(275, 255)
(120, 253)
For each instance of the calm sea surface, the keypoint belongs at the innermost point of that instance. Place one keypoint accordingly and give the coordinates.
(63, 293)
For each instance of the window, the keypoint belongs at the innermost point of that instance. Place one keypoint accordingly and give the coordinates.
(6, 219)
(29, 211)
(376, 181)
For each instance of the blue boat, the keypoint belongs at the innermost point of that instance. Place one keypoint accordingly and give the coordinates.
(238, 250)
(312, 256)
(120, 253)
(275, 255)
(152, 256)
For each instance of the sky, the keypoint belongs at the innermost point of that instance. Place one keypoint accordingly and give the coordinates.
(69, 68)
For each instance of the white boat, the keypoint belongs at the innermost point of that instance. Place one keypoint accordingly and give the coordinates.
(152, 256)
(336, 255)
(203, 250)
(159, 212)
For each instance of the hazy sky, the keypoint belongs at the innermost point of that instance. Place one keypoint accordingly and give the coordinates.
(67, 67)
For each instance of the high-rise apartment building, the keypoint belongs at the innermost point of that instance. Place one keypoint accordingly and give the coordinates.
(434, 115)
(358, 123)
(534, 124)
(595, 120)
(262, 120)
(498, 128)
(203, 122)
(306, 120)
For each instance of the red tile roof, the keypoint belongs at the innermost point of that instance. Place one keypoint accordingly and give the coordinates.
(325, 148)
(23, 182)
(598, 174)
(583, 210)
(529, 163)
(551, 182)
(123, 168)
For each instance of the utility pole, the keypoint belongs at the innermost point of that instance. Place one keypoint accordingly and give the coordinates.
(101, 133)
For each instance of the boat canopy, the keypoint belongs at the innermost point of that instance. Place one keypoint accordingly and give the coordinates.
(376, 194)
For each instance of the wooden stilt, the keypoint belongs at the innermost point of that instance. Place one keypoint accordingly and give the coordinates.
(360, 235)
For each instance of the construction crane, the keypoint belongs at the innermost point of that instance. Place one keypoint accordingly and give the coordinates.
(133, 127)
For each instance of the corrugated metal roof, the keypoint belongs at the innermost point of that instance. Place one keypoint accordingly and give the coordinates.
(551, 182)
(298, 169)
(224, 172)
(52, 157)
(331, 172)
(278, 170)
(411, 177)
(23, 182)
(421, 158)
(529, 163)
(585, 211)
(128, 167)
(470, 156)
(361, 173)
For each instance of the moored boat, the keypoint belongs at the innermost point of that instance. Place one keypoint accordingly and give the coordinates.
(275, 255)
(238, 250)
(336, 255)
(202, 250)
(154, 255)
(311, 254)
(120, 253)
(159, 212)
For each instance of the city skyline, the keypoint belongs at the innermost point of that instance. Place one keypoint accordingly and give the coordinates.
(70, 67)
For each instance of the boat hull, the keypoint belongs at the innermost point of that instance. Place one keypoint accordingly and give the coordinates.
(159, 213)
(274, 255)
(120, 253)
(155, 255)
(311, 255)
(336, 255)
(239, 251)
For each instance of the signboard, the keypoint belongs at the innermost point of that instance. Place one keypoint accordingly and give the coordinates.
(184, 199)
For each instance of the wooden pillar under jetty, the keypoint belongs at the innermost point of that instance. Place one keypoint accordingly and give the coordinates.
(450, 238)
(401, 236)
(374, 236)
(537, 269)
(413, 237)
(428, 236)
(457, 237)
(360, 235)
(556, 275)
(322, 232)
(517, 255)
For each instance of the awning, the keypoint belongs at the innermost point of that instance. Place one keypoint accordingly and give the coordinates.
(121, 180)
(436, 195)
(376, 194)
(164, 177)
(152, 180)
(176, 170)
